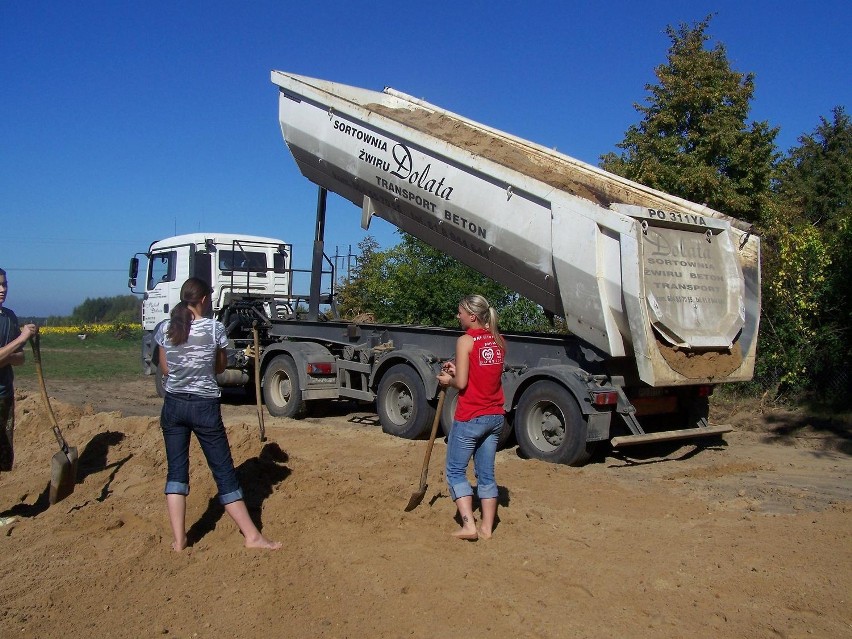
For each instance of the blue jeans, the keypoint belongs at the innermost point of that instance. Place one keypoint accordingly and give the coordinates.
(183, 414)
(476, 438)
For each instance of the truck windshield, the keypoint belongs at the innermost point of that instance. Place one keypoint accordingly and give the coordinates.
(242, 261)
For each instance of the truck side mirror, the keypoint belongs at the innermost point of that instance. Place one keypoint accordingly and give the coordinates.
(134, 271)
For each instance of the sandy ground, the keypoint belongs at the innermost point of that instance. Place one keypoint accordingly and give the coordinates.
(743, 537)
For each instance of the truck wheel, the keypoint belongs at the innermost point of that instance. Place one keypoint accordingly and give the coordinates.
(158, 382)
(691, 416)
(449, 411)
(403, 408)
(549, 425)
(281, 392)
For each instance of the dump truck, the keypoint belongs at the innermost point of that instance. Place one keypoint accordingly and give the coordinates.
(660, 296)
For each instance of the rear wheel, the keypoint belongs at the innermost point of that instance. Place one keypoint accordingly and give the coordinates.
(695, 413)
(549, 425)
(402, 405)
(281, 391)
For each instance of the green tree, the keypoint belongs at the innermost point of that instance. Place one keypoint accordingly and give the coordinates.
(807, 296)
(693, 140)
(356, 292)
(413, 283)
(816, 177)
(792, 342)
(100, 310)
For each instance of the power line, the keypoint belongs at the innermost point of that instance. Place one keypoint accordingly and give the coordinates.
(68, 240)
(70, 270)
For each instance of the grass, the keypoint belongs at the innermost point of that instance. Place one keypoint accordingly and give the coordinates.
(100, 356)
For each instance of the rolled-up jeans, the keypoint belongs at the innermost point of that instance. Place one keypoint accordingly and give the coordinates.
(183, 414)
(476, 438)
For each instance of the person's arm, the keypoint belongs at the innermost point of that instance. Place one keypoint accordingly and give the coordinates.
(221, 360)
(458, 375)
(163, 362)
(12, 353)
(221, 340)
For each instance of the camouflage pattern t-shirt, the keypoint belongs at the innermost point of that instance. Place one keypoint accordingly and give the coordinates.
(192, 364)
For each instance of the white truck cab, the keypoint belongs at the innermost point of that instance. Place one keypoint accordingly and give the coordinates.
(234, 265)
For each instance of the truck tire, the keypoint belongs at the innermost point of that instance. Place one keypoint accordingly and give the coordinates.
(158, 382)
(694, 412)
(402, 405)
(448, 414)
(549, 425)
(281, 392)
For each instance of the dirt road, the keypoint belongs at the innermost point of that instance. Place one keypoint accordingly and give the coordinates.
(746, 537)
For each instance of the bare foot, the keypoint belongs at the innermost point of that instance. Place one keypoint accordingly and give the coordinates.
(483, 533)
(264, 543)
(177, 546)
(466, 534)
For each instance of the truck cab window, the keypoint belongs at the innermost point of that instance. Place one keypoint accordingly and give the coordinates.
(279, 263)
(242, 261)
(162, 269)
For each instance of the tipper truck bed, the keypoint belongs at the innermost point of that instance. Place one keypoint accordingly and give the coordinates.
(635, 272)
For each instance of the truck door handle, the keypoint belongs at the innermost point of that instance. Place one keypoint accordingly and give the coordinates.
(165, 308)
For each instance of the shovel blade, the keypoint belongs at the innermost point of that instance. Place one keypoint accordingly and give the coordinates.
(416, 498)
(63, 474)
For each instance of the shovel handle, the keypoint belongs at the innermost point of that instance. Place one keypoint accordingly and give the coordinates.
(257, 382)
(425, 472)
(35, 342)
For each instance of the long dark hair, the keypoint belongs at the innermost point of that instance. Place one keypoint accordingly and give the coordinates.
(192, 292)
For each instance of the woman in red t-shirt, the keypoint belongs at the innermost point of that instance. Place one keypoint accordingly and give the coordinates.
(477, 374)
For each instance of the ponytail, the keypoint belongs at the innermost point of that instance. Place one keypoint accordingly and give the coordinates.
(492, 326)
(179, 324)
(191, 293)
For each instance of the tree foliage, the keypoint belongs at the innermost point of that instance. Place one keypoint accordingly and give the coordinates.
(102, 310)
(807, 299)
(796, 267)
(414, 283)
(814, 179)
(694, 140)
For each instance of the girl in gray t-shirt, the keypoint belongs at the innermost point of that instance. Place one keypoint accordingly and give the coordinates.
(192, 351)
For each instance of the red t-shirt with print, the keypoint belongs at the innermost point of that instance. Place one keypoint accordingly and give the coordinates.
(484, 392)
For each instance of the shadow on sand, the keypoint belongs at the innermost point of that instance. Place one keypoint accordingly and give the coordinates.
(92, 460)
(258, 478)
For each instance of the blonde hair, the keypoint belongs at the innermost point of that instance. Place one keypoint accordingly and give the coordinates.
(486, 314)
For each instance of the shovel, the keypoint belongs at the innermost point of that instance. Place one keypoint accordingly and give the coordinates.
(257, 383)
(63, 466)
(417, 497)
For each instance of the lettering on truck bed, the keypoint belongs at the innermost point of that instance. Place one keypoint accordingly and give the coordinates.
(397, 161)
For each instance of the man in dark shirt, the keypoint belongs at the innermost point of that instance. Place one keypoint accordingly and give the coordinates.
(12, 341)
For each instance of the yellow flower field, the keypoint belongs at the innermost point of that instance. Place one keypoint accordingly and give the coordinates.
(90, 329)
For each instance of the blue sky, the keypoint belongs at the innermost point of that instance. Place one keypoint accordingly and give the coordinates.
(124, 122)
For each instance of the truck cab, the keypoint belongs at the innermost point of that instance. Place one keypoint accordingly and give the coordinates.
(235, 266)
